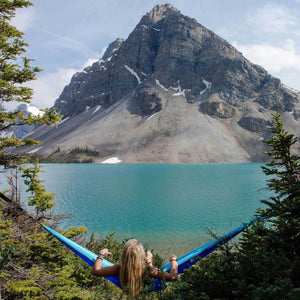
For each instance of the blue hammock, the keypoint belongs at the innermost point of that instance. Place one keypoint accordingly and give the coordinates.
(184, 262)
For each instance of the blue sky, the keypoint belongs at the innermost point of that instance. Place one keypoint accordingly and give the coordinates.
(66, 36)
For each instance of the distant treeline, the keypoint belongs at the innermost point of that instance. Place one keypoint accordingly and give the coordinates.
(85, 150)
(76, 155)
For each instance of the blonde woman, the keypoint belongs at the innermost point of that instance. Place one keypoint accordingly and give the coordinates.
(134, 265)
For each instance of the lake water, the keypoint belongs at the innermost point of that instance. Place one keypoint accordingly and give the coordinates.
(167, 207)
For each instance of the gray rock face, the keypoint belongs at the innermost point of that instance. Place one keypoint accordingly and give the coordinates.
(177, 51)
(218, 109)
(146, 103)
(254, 124)
(162, 89)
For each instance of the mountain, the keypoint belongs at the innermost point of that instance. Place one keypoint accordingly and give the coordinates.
(21, 130)
(174, 92)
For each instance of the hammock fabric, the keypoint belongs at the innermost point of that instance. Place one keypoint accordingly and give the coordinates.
(184, 262)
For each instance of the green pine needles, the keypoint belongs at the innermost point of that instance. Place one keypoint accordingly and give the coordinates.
(39, 198)
(15, 71)
(286, 164)
(284, 169)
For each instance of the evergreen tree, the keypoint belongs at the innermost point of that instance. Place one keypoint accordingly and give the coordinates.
(269, 257)
(39, 198)
(266, 263)
(283, 209)
(15, 70)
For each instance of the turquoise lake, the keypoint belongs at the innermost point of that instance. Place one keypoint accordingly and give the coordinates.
(168, 207)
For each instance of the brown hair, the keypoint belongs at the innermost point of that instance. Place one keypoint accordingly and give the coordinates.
(132, 268)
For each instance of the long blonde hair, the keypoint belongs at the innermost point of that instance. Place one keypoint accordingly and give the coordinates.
(132, 268)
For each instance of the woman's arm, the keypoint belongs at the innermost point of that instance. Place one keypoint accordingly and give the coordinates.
(106, 271)
(159, 274)
(174, 268)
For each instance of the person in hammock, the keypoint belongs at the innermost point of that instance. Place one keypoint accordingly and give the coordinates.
(134, 265)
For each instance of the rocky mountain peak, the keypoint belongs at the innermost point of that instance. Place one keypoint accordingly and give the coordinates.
(193, 85)
(112, 47)
(21, 130)
(179, 53)
(159, 12)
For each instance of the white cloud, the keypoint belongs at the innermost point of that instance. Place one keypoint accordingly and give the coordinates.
(24, 18)
(274, 59)
(105, 48)
(282, 62)
(49, 86)
(68, 43)
(90, 61)
(273, 18)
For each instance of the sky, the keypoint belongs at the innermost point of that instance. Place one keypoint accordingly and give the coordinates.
(66, 36)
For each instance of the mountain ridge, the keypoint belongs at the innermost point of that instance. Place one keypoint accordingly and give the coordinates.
(173, 91)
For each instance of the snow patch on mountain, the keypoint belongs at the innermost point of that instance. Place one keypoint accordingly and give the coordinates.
(34, 110)
(6, 134)
(180, 91)
(35, 150)
(159, 84)
(112, 160)
(156, 29)
(133, 73)
(149, 118)
(207, 86)
(64, 120)
(97, 108)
